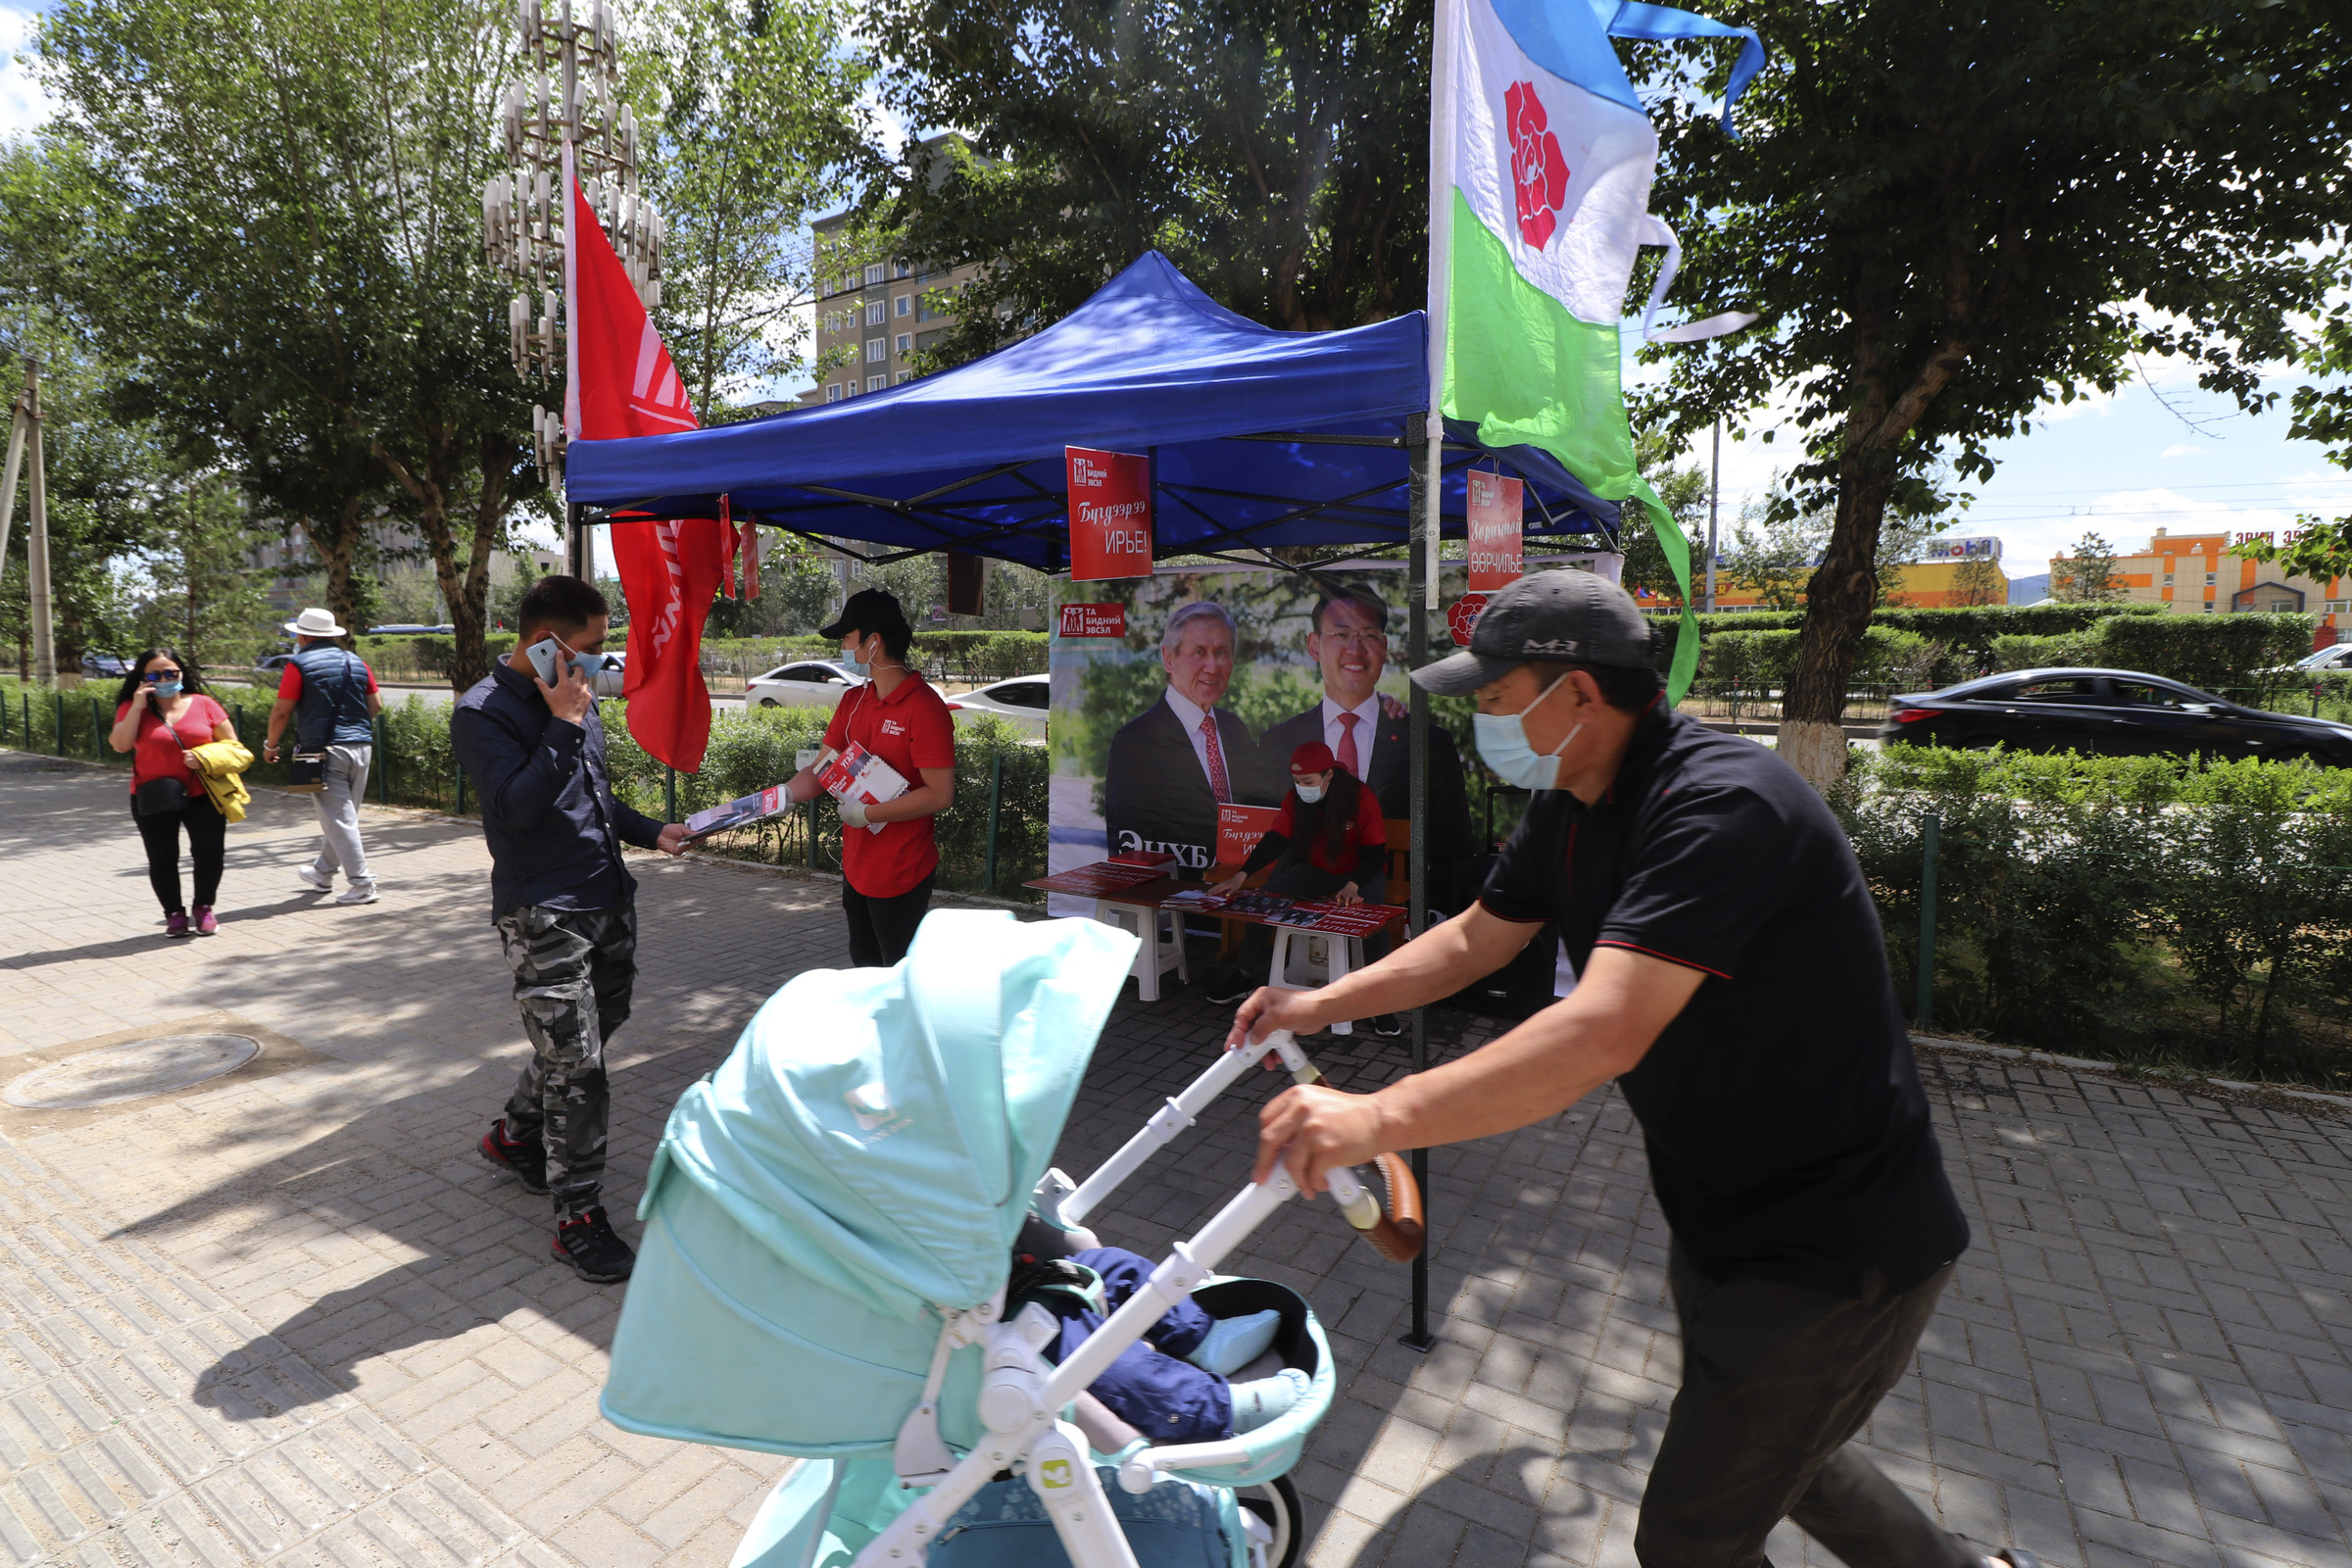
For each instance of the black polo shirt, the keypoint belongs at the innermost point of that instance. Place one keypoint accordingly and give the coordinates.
(1789, 1137)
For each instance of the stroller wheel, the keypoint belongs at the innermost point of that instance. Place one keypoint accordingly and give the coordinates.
(1276, 1504)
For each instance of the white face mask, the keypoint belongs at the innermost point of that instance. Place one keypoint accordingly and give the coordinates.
(1309, 792)
(1503, 746)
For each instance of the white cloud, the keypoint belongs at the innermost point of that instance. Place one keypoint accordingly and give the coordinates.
(24, 102)
(2185, 449)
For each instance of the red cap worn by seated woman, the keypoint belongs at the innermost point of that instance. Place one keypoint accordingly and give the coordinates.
(1313, 757)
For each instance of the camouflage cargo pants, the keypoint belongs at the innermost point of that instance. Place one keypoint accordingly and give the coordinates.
(573, 972)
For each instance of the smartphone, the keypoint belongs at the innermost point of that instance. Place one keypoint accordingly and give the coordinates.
(546, 657)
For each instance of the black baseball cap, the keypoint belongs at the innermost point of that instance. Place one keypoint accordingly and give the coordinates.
(1567, 616)
(869, 610)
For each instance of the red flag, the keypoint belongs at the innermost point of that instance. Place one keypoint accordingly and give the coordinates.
(669, 707)
(751, 558)
(621, 383)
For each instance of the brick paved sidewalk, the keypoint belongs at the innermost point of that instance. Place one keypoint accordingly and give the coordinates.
(290, 1318)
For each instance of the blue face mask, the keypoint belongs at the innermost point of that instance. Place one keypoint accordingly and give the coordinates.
(862, 669)
(167, 689)
(1502, 745)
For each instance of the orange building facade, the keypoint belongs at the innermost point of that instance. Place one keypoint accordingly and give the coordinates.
(2190, 574)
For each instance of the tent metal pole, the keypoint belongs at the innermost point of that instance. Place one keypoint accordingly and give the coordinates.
(1416, 654)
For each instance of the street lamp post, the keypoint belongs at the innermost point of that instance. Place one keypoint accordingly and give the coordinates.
(1714, 500)
(564, 120)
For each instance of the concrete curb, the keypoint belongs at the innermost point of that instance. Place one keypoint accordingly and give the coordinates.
(2340, 1103)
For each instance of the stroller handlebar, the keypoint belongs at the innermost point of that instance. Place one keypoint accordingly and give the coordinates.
(1395, 1228)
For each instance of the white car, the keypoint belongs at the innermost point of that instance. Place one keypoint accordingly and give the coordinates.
(804, 683)
(1020, 701)
(2335, 655)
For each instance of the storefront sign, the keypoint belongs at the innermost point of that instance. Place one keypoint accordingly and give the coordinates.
(1110, 515)
(1094, 620)
(1497, 507)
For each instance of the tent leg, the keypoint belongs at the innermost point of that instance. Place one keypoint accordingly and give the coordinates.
(1416, 654)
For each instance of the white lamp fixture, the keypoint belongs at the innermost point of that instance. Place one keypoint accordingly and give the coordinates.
(567, 95)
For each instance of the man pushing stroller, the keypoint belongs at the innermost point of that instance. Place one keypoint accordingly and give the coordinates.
(1734, 984)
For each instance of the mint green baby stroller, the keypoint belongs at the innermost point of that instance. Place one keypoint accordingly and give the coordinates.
(828, 1234)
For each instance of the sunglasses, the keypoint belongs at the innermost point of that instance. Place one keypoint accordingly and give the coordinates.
(154, 675)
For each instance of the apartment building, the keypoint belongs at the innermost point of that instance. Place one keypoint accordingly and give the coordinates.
(874, 317)
(2190, 574)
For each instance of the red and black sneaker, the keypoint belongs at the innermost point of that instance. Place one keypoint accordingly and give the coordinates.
(597, 1254)
(528, 1160)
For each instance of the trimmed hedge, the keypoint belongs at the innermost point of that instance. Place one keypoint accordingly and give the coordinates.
(1754, 660)
(2127, 907)
(2243, 656)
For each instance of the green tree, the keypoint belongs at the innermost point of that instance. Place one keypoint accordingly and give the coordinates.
(755, 120)
(1684, 489)
(2086, 575)
(1976, 582)
(203, 594)
(1951, 212)
(1278, 153)
(2319, 548)
(284, 238)
(1771, 553)
(107, 480)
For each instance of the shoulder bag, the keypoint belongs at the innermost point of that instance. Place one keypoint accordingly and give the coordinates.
(161, 797)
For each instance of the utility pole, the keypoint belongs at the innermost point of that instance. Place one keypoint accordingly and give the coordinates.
(1714, 501)
(26, 421)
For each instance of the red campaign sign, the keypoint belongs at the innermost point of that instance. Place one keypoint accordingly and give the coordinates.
(1497, 507)
(1110, 515)
(1094, 620)
(1462, 619)
(1240, 827)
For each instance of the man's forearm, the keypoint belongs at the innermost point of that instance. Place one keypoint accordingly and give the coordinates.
(924, 800)
(1548, 1063)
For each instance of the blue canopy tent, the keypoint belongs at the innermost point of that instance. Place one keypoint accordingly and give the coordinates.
(1259, 438)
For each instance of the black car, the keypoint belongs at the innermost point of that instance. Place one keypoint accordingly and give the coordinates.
(2107, 713)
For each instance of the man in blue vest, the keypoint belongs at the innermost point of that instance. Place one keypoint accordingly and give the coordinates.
(331, 695)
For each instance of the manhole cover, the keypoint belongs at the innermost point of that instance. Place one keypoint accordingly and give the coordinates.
(116, 1073)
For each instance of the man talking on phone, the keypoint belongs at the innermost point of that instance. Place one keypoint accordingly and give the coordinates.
(1733, 982)
(565, 906)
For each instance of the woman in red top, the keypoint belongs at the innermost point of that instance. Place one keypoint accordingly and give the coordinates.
(161, 711)
(1329, 841)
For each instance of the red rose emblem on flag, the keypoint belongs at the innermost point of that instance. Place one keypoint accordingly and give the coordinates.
(1538, 168)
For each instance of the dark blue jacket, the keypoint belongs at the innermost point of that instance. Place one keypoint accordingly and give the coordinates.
(548, 809)
(332, 709)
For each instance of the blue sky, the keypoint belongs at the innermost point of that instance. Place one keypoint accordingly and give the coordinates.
(2159, 453)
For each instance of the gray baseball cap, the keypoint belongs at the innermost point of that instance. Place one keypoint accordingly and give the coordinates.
(1577, 616)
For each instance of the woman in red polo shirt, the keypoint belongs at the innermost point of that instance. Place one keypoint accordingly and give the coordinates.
(161, 715)
(896, 715)
(1329, 841)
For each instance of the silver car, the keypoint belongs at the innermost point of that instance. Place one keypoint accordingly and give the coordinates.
(1020, 701)
(804, 684)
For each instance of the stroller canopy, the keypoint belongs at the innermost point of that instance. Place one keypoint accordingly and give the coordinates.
(880, 1131)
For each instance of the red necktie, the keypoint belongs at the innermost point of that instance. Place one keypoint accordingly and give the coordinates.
(1348, 757)
(1217, 785)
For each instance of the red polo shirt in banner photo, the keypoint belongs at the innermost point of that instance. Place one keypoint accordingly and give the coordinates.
(911, 729)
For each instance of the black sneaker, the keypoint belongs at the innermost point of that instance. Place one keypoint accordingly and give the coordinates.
(588, 1243)
(526, 1161)
(1386, 1023)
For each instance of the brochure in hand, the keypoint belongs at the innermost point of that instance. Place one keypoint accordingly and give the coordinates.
(859, 774)
(740, 812)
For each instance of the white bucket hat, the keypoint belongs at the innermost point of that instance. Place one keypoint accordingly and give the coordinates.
(315, 623)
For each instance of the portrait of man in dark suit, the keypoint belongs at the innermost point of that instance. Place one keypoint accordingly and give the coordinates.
(1370, 734)
(1174, 764)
